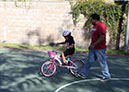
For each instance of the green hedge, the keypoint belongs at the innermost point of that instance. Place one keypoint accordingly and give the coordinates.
(110, 14)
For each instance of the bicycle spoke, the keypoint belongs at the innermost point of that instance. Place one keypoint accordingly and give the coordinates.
(79, 64)
(48, 68)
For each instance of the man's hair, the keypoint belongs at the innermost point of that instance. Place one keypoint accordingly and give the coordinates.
(95, 16)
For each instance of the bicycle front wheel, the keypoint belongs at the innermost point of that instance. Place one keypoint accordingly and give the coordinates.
(48, 68)
(79, 63)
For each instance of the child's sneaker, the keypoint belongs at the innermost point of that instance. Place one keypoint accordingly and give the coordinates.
(64, 64)
(69, 64)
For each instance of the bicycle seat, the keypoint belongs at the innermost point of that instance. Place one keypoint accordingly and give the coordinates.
(70, 55)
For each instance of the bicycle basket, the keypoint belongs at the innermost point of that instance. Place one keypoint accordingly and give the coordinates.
(51, 54)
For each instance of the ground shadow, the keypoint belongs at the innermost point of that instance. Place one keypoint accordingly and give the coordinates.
(19, 72)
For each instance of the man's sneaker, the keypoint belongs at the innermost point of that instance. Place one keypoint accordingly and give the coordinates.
(104, 79)
(81, 76)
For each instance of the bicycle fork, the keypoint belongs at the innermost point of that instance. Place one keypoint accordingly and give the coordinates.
(51, 65)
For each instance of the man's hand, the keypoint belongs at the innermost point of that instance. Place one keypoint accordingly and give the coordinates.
(91, 47)
(101, 38)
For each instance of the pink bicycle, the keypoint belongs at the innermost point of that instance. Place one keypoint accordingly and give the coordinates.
(49, 67)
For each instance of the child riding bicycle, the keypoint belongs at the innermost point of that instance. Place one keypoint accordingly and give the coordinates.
(69, 40)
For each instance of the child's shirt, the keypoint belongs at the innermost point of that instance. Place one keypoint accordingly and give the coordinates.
(70, 41)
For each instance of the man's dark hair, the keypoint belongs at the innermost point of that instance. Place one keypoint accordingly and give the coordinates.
(95, 16)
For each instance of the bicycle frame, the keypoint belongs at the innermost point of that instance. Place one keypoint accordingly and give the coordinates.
(59, 61)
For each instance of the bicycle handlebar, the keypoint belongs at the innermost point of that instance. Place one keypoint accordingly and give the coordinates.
(58, 48)
(54, 48)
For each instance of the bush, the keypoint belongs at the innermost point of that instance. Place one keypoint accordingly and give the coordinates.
(110, 14)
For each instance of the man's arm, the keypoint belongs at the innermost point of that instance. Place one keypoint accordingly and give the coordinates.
(101, 38)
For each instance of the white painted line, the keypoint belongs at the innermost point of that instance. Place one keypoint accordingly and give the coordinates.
(75, 82)
(123, 79)
(96, 79)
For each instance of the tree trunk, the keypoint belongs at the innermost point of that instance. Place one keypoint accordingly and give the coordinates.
(118, 42)
(120, 28)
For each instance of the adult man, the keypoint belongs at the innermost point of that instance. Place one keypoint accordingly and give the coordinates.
(97, 48)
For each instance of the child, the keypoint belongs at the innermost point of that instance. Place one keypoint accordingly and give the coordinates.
(70, 49)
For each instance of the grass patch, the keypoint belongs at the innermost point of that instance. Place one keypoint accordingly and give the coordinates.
(116, 52)
(44, 47)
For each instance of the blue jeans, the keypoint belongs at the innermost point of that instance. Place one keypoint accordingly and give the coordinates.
(93, 55)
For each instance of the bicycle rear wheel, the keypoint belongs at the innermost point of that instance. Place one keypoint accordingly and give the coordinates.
(79, 63)
(48, 68)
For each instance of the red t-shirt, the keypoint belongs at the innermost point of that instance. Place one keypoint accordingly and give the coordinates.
(98, 30)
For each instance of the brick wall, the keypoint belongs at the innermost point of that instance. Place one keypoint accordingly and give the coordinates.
(37, 23)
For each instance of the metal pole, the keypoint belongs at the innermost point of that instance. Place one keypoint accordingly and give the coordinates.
(127, 33)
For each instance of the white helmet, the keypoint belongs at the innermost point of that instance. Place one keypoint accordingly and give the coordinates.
(66, 33)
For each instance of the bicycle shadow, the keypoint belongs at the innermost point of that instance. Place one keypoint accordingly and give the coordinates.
(19, 72)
